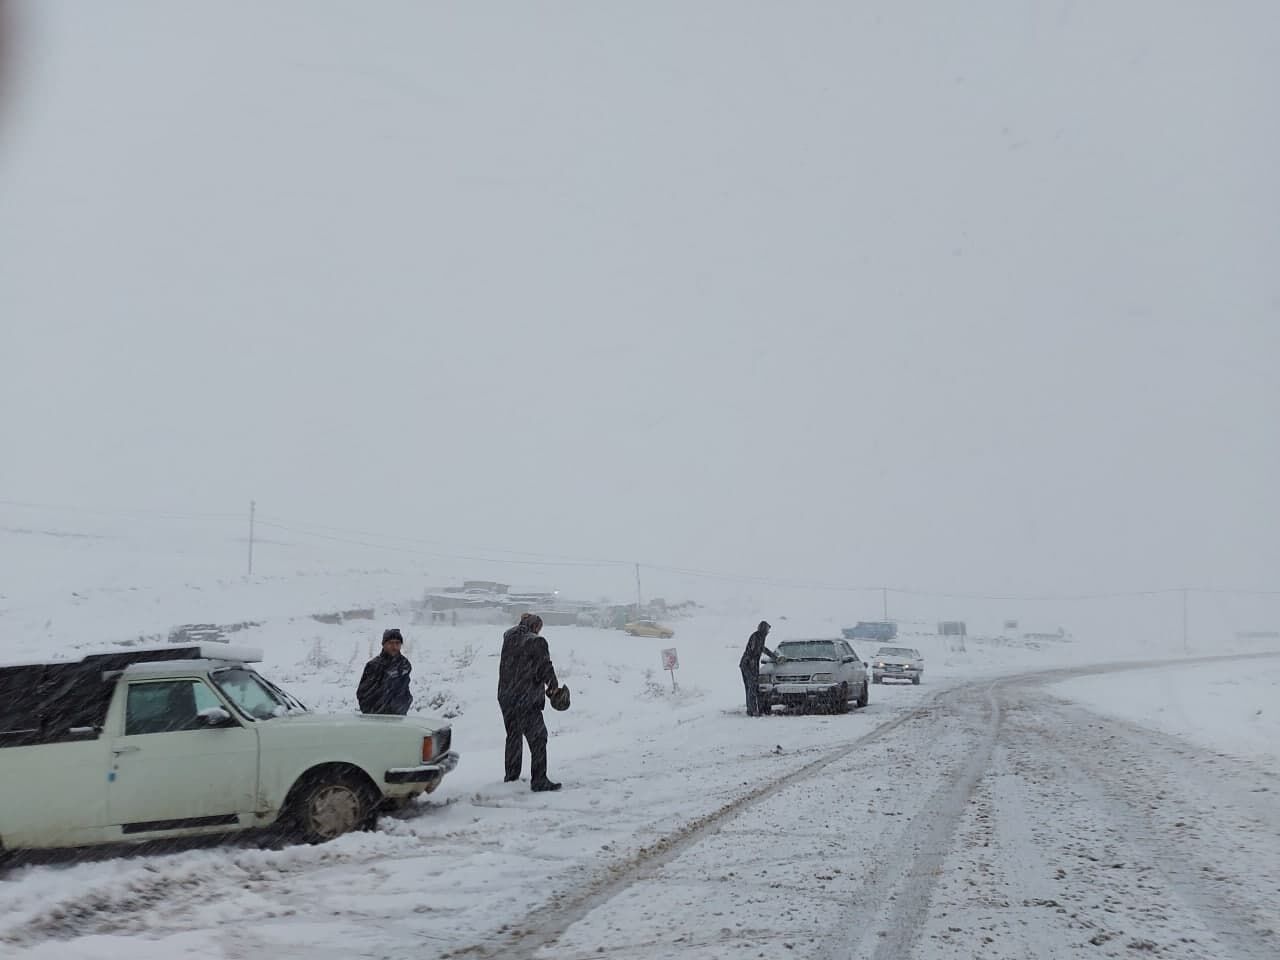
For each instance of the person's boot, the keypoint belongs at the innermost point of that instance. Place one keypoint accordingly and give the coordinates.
(509, 778)
(540, 786)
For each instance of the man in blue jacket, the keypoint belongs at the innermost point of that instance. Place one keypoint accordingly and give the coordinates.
(384, 685)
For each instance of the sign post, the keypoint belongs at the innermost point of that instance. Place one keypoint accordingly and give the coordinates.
(671, 663)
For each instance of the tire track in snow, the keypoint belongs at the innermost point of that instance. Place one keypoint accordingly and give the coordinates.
(546, 926)
(1234, 908)
(942, 815)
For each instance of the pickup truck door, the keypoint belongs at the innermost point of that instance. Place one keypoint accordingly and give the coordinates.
(171, 771)
(53, 794)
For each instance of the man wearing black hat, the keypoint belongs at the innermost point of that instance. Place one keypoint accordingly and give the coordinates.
(384, 685)
(750, 666)
(525, 677)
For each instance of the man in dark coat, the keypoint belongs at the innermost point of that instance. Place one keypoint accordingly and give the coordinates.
(525, 676)
(750, 666)
(384, 685)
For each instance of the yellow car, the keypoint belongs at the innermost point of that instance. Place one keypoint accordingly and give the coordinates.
(649, 628)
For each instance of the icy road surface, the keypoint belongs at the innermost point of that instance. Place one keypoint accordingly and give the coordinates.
(985, 819)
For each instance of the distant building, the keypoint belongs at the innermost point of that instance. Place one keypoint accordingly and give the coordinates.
(484, 586)
(952, 628)
(879, 630)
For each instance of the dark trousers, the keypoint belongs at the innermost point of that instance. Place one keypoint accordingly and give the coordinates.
(751, 681)
(525, 723)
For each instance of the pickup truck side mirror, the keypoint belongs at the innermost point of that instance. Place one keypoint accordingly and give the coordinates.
(214, 717)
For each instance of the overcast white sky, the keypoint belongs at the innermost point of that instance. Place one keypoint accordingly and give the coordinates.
(963, 296)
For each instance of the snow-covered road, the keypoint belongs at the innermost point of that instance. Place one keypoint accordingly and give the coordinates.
(993, 821)
(986, 817)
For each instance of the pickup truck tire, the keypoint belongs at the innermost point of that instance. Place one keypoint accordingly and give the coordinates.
(328, 803)
(863, 697)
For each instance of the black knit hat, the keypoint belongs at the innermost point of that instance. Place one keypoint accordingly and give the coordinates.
(392, 633)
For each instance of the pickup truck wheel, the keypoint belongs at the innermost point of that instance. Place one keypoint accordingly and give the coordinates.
(864, 696)
(330, 807)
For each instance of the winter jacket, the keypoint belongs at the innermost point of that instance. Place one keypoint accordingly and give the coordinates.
(525, 669)
(384, 685)
(755, 647)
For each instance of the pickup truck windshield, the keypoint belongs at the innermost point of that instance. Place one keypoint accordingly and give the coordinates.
(815, 650)
(249, 693)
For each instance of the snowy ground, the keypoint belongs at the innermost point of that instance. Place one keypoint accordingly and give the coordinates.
(969, 816)
(1231, 708)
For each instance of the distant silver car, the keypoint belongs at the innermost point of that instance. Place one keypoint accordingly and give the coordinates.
(897, 663)
(825, 674)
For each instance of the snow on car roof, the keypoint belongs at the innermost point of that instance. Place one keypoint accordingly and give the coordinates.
(182, 652)
(165, 668)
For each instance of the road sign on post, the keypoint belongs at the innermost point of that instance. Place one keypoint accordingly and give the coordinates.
(671, 663)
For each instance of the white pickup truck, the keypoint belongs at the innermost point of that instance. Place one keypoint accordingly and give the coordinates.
(186, 740)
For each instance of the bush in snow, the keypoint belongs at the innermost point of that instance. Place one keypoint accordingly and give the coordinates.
(317, 657)
(440, 703)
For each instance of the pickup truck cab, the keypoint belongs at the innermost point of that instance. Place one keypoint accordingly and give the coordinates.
(188, 740)
(814, 673)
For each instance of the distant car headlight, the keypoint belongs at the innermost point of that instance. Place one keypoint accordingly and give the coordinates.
(822, 678)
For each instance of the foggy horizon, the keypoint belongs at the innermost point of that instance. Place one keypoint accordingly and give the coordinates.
(811, 295)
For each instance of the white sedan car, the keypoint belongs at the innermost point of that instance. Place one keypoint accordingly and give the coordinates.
(825, 674)
(897, 663)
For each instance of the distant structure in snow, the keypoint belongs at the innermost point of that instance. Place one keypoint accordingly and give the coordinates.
(482, 586)
(952, 628)
(878, 630)
(1061, 634)
(1258, 634)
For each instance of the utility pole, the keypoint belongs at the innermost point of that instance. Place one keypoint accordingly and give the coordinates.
(639, 602)
(884, 597)
(253, 506)
(1186, 636)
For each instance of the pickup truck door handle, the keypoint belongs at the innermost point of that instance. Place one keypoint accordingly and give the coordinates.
(126, 749)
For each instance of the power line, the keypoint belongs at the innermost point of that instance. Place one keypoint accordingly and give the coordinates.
(307, 527)
(432, 554)
(127, 514)
(411, 546)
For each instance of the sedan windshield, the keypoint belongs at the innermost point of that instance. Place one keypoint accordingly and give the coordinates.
(250, 693)
(807, 650)
(894, 652)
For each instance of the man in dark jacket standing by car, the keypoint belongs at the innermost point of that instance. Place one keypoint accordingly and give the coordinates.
(384, 685)
(750, 666)
(525, 676)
